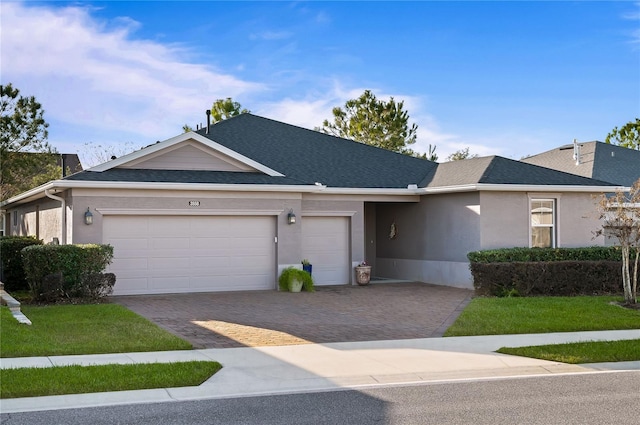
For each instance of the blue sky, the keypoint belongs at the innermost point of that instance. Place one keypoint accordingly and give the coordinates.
(505, 78)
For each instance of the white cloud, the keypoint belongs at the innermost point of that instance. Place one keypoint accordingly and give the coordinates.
(634, 16)
(86, 74)
(309, 112)
(98, 83)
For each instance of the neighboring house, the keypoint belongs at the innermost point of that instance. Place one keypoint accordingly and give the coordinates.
(230, 205)
(68, 162)
(597, 160)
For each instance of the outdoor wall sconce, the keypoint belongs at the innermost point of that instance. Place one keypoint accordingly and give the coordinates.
(291, 217)
(88, 217)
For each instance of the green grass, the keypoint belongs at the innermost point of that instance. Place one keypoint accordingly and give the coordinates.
(33, 382)
(581, 352)
(496, 316)
(81, 329)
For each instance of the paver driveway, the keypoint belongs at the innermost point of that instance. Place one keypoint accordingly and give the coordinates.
(331, 314)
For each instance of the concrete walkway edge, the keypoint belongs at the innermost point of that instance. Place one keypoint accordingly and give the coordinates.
(332, 366)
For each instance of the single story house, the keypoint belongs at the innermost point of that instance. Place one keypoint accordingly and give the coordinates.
(230, 205)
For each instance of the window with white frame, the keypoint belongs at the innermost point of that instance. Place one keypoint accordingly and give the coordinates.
(543, 223)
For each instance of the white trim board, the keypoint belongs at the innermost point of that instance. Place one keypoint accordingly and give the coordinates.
(328, 213)
(195, 211)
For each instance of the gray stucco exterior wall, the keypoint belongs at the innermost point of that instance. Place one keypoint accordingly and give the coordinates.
(42, 219)
(433, 238)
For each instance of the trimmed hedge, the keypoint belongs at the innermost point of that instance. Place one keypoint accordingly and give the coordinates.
(547, 271)
(550, 278)
(56, 272)
(11, 269)
(504, 255)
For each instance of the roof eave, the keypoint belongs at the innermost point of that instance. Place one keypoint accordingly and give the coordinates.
(521, 188)
(39, 192)
(32, 194)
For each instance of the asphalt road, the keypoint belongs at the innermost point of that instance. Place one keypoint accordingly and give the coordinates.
(603, 398)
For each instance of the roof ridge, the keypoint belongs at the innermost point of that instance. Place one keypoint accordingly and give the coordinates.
(489, 167)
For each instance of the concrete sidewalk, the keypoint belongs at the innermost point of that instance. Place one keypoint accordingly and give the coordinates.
(320, 367)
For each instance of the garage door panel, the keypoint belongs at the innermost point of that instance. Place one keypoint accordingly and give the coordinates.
(171, 283)
(169, 226)
(166, 254)
(169, 263)
(135, 285)
(170, 243)
(325, 242)
(129, 264)
(129, 244)
(205, 243)
(135, 226)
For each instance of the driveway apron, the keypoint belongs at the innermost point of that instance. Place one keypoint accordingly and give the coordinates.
(381, 311)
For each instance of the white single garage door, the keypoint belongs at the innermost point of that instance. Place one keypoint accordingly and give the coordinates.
(169, 254)
(325, 243)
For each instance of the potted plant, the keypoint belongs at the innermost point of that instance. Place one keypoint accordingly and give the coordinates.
(363, 273)
(307, 266)
(294, 280)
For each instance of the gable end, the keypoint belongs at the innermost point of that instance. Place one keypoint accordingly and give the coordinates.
(188, 156)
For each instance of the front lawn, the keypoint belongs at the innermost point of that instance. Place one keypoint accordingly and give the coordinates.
(34, 382)
(81, 329)
(499, 316)
(581, 352)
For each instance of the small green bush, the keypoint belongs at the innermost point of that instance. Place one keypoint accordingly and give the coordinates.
(56, 272)
(290, 274)
(11, 269)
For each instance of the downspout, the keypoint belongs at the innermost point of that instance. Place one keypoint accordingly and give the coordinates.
(63, 236)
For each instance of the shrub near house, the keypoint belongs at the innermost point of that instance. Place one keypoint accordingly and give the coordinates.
(11, 269)
(56, 272)
(547, 271)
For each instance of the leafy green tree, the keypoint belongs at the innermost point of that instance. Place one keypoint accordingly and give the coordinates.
(461, 154)
(226, 108)
(51, 171)
(22, 130)
(627, 136)
(373, 122)
(186, 128)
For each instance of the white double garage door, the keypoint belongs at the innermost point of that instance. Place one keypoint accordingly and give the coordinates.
(172, 254)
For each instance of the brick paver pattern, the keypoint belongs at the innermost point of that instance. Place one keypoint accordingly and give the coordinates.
(380, 311)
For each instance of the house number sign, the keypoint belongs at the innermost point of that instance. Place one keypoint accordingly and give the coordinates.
(194, 203)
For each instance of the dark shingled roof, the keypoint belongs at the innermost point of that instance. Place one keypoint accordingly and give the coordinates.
(499, 170)
(306, 157)
(598, 160)
(311, 156)
(180, 176)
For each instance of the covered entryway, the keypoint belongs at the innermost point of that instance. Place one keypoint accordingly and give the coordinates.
(325, 242)
(170, 254)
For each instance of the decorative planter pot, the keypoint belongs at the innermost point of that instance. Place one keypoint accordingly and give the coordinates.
(296, 285)
(363, 275)
(307, 268)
